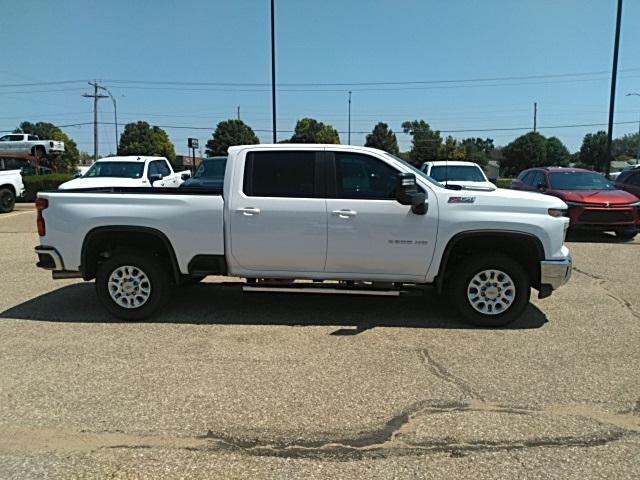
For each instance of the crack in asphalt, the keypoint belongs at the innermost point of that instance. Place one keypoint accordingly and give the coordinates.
(391, 439)
(441, 372)
(600, 282)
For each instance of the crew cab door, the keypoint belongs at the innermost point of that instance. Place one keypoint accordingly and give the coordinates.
(277, 214)
(369, 232)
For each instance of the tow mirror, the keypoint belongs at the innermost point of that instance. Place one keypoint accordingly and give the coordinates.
(154, 177)
(407, 193)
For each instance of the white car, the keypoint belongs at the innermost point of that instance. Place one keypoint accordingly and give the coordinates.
(23, 143)
(11, 186)
(466, 174)
(355, 220)
(129, 171)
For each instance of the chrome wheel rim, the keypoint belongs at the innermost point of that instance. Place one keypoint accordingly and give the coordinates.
(491, 292)
(129, 287)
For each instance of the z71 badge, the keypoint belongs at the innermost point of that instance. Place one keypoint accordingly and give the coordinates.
(462, 199)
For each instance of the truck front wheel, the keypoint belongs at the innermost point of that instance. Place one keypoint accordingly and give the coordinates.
(490, 290)
(132, 286)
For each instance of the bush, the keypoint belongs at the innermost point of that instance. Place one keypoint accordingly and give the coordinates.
(38, 183)
(504, 182)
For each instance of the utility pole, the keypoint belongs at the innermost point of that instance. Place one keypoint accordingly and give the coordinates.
(273, 67)
(535, 115)
(349, 138)
(238, 112)
(612, 100)
(95, 97)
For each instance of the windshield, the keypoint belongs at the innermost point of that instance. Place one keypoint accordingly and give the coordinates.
(464, 173)
(212, 168)
(579, 181)
(116, 169)
(415, 170)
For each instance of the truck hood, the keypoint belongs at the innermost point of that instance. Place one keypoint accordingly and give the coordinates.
(503, 199)
(595, 197)
(102, 182)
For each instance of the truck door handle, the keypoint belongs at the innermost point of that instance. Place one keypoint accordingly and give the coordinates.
(248, 211)
(345, 213)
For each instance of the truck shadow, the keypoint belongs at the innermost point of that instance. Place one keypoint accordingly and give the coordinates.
(226, 304)
(596, 237)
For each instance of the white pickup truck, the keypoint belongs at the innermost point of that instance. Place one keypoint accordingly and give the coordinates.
(11, 186)
(128, 171)
(311, 218)
(24, 143)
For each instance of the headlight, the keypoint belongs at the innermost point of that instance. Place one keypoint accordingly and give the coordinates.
(637, 204)
(575, 204)
(558, 212)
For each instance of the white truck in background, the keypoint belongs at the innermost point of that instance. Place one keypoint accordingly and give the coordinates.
(128, 171)
(27, 144)
(352, 219)
(11, 187)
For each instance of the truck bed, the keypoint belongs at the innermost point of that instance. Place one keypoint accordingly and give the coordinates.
(190, 219)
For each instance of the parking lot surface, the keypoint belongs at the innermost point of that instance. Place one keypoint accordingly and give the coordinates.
(230, 385)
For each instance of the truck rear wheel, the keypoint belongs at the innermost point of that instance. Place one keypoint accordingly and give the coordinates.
(7, 200)
(491, 290)
(132, 286)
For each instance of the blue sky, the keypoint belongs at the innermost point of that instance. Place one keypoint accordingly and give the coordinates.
(566, 45)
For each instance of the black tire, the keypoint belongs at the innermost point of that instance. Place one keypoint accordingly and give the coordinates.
(517, 299)
(39, 152)
(158, 285)
(7, 200)
(629, 234)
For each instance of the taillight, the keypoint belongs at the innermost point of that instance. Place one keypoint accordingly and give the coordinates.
(41, 204)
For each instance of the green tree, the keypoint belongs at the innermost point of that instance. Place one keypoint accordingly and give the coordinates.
(383, 138)
(478, 150)
(557, 153)
(140, 138)
(48, 131)
(593, 152)
(451, 150)
(309, 130)
(425, 144)
(526, 151)
(625, 147)
(229, 133)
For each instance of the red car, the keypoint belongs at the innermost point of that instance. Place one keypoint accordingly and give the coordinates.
(629, 180)
(594, 202)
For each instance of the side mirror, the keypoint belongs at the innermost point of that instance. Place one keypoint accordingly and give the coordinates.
(154, 177)
(78, 175)
(185, 176)
(407, 193)
(541, 187)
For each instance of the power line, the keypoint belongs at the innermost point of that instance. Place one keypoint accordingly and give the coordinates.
(348, 84)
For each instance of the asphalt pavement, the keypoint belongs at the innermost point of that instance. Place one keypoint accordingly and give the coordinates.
(223, 384)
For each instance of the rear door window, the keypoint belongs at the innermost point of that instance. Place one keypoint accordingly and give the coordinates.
(281, 174)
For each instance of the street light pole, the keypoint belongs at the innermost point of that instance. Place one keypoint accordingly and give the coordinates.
(273, 67)
(115, 113)
(638, 150)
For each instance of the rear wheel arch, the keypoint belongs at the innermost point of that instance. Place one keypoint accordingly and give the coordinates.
(101, 242)
(524, 248)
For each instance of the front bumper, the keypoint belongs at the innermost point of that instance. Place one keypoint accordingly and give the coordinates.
(554, 274)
